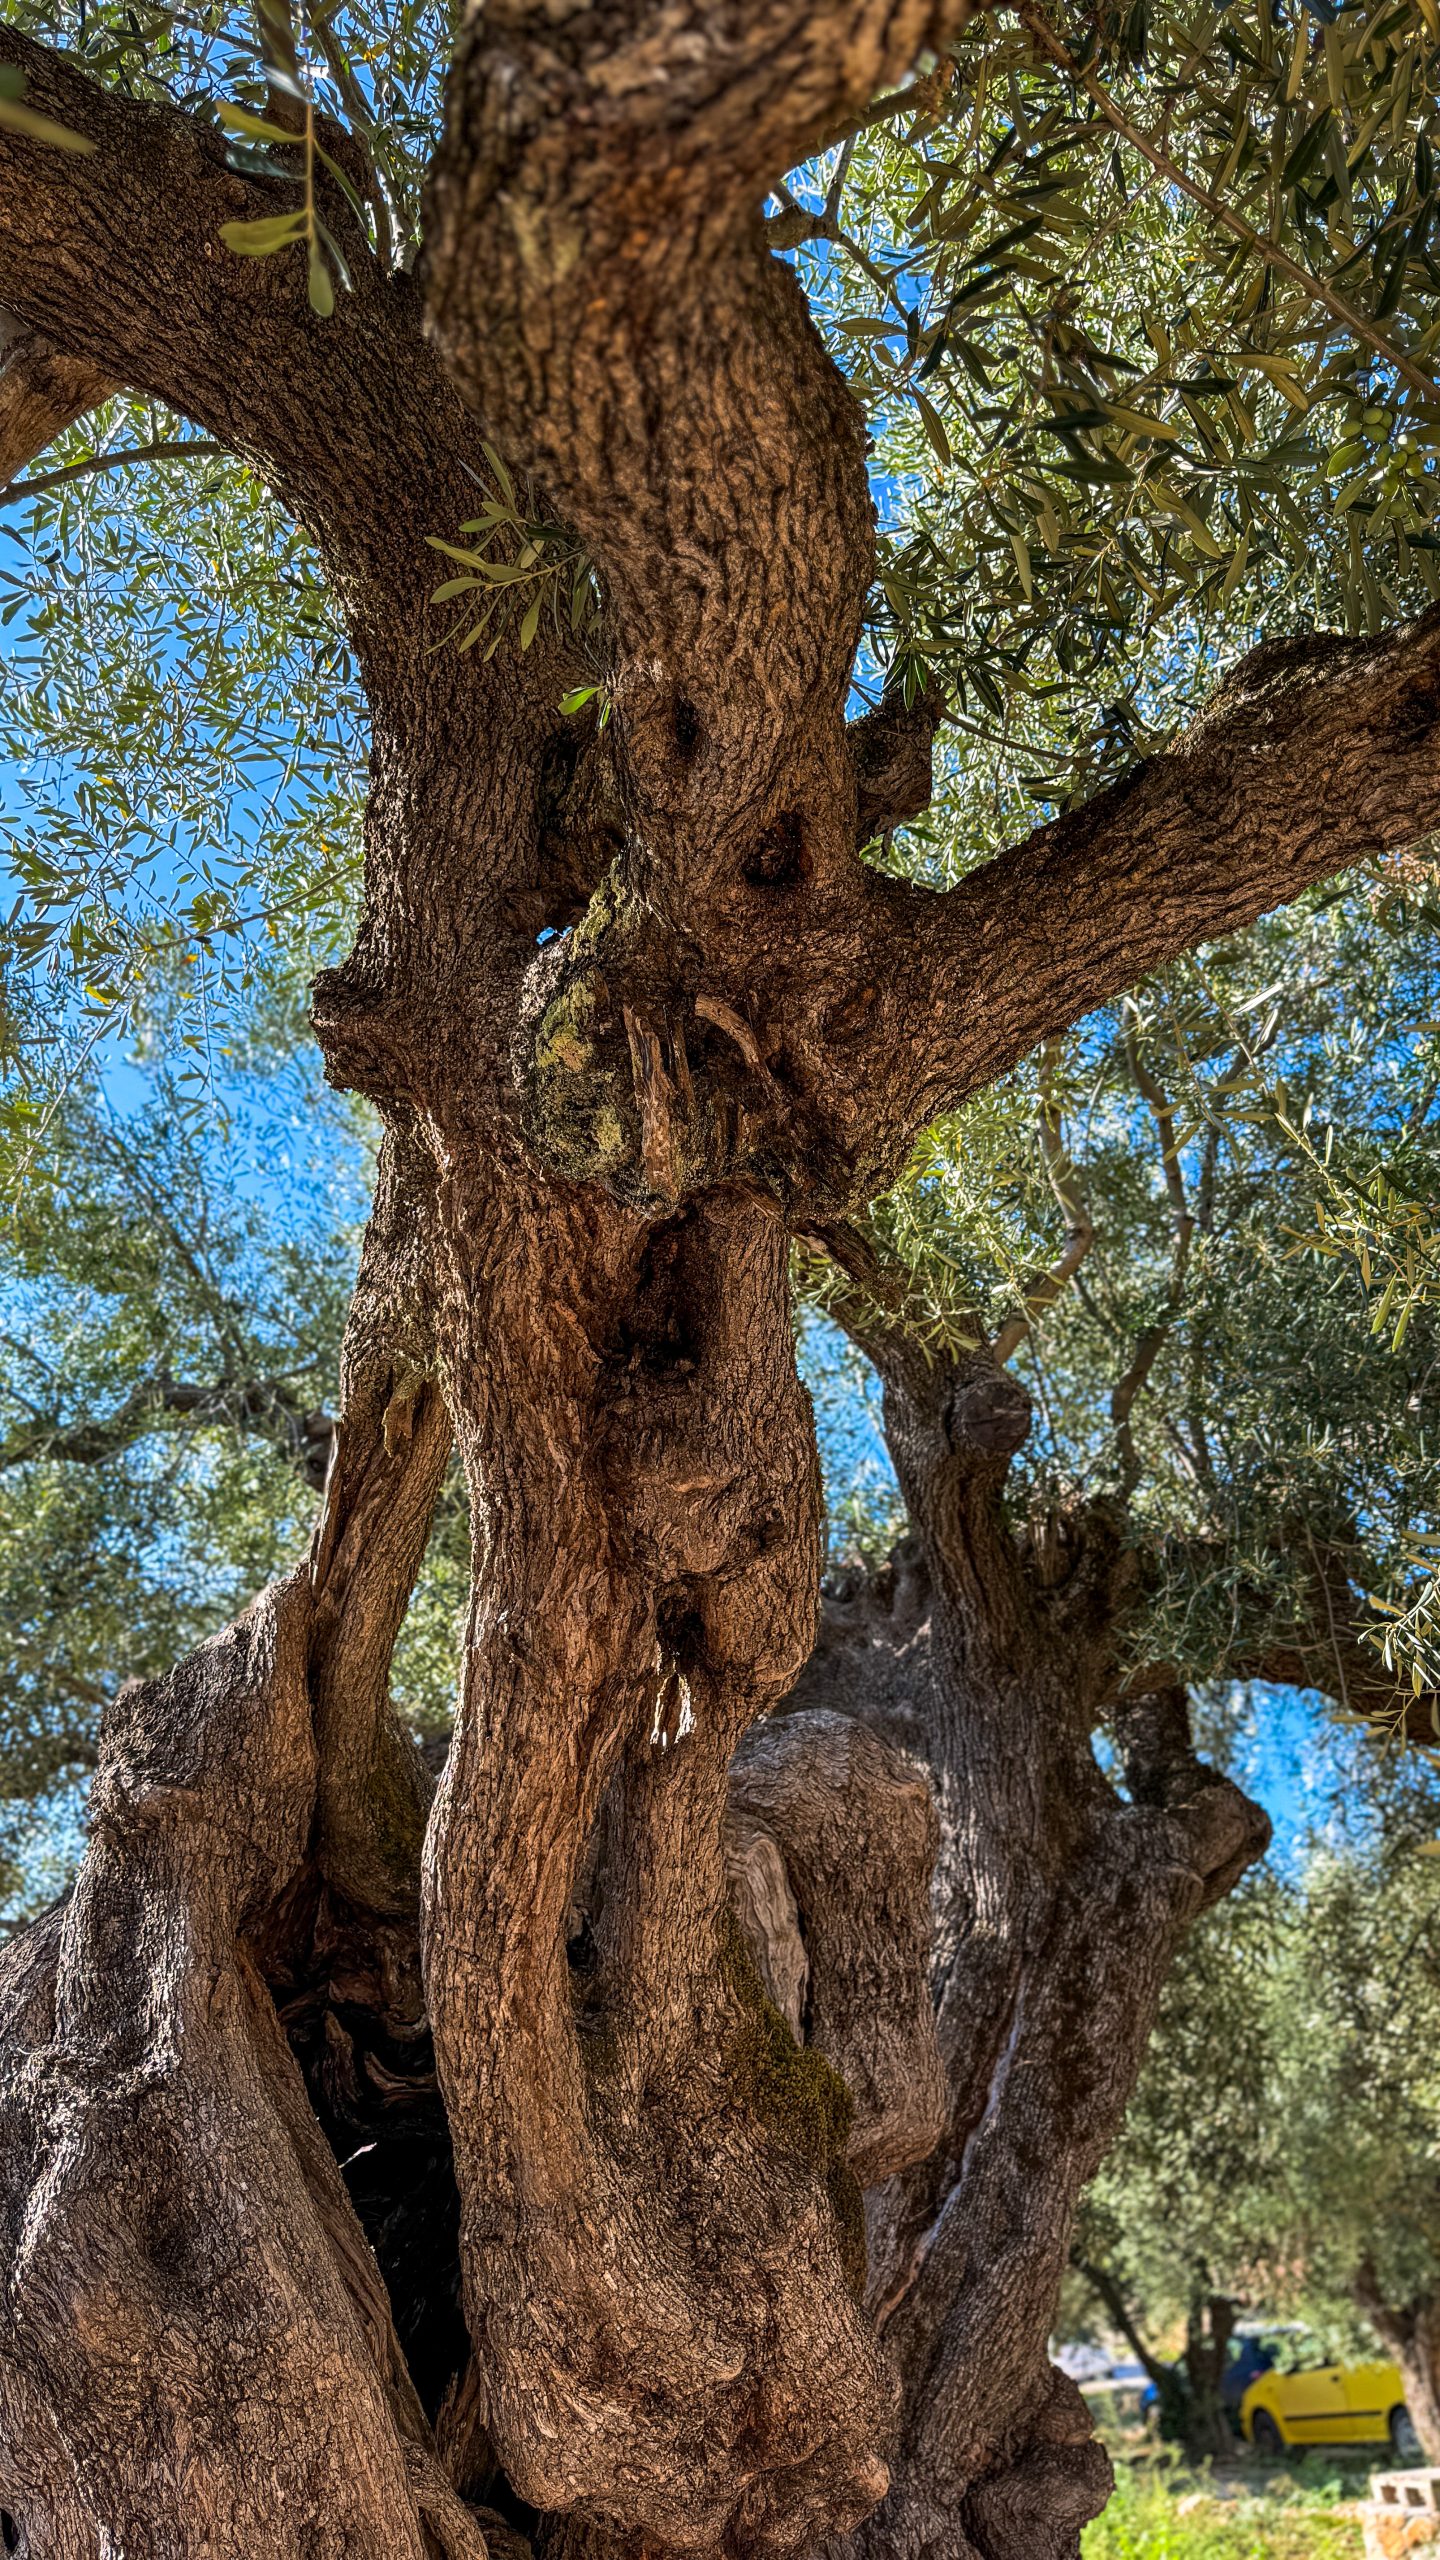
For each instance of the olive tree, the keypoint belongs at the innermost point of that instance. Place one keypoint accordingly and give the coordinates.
(641, 991)
(1306, 2190)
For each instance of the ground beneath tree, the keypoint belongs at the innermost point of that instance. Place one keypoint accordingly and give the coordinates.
(1245, 2510)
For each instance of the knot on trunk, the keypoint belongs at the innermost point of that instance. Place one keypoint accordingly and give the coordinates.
(375, 1038)
(892, 748)
(638, 1071)
(778, 1059)
(989, 1413)
(1035, 2509)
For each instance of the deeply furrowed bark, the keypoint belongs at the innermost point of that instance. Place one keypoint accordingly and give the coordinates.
(646, 2190)
(641, 2184)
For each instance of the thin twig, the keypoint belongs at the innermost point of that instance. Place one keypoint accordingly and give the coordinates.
(1182, 1230)
(165, 449)
(1331, 1629)
(1080, 1227)
(836, 188)
(1319, 292)
(362, 129)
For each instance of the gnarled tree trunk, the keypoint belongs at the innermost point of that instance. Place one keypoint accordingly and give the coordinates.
(1060, 1902)
(1190, 2402)
(615, 2198)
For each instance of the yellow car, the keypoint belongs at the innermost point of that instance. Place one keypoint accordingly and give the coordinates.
(1330, 2404)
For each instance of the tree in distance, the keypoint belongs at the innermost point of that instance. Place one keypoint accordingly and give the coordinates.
(1306, 2192)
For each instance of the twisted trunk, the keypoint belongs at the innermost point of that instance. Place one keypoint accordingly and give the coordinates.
(1208, 2326)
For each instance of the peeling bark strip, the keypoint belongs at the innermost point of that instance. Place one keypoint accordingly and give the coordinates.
(641, 2183)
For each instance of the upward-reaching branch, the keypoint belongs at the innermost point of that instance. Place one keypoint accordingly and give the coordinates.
(597, 276)
(116, 258)
(747, 998)
(1079, 1225)
(1132, 1380)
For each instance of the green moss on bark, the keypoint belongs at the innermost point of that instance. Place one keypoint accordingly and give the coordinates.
(797, 2094)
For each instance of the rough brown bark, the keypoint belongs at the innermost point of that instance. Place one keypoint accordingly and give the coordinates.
(1059, 1904)
(196, 2348)
(644, 2186)
(41, 394)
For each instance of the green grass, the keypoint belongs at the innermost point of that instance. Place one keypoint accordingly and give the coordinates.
(1294, 2518)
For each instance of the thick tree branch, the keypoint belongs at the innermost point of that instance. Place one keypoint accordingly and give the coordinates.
(42, 392)
(1313, 755)
(1061, 1909)
(596, 274)
(1325, 1646)
(116, 258)
(1330, 1654)
(264, 1406)
(172, 2177)
(124, 458)
(1064, 1181)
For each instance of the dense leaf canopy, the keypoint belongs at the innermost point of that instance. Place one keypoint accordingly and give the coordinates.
(1177, 1215)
